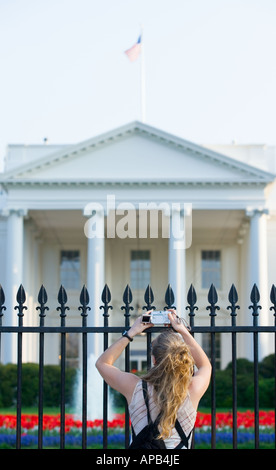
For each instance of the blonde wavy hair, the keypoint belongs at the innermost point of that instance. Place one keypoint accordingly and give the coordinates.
(170, 377)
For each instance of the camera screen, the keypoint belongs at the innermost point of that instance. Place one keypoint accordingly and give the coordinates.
(146, 318)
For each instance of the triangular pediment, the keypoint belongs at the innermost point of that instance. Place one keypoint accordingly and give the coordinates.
(135, 153)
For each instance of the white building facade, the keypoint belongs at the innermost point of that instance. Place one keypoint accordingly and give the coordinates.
(136, 206)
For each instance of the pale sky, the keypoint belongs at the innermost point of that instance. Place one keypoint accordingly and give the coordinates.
(210, 69)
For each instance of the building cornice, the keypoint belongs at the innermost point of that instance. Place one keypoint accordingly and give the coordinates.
(13, 183)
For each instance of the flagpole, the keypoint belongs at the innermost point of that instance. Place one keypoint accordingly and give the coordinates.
(143, 79)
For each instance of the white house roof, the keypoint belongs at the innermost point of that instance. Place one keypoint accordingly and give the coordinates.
(133, 154)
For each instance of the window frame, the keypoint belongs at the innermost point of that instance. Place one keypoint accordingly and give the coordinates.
(198, 267)
(218, 287)
(71, 249)
(142, 288)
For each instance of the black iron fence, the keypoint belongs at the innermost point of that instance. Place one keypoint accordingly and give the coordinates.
(233, 329)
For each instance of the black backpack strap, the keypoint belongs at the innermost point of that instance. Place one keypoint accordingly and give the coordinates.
(184, 439)
(146, 398)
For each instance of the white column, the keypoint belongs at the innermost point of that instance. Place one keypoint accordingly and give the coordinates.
(258, 272)
(177, 259)
(94, 231)
(95, 276)
(14, 277)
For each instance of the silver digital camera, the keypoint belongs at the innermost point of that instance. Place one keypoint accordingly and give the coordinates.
(160, 317)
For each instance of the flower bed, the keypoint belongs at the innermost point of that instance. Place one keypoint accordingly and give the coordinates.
(245, 428)
(73, 430)
(51, 431)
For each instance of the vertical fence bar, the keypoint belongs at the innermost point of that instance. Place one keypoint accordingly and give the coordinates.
(84, 300)
(62, 388)
(127, 299)
(21, 298)
(62, 299)
(84, 386)
(213, 391)
(169, 298)
(2, 308)
(273, 301)
(149, 339)
(256, 386)
(106, 298)
(212, 299)
(275, 382)
(42, 299)
(149, 299)
(192, 298)
(255, 297)
(233, 299)
(19, 388)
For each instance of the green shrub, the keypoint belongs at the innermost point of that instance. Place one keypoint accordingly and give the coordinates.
(266, 367)
(51, 385)
(266, 393)
(245, 385)
(8, 385)
(30, 385)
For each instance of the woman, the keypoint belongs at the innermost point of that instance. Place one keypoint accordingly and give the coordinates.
(173, 389)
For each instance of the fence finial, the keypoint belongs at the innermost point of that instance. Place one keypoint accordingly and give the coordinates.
(233, 299)
(191, 298)
(149, 299)
(42, 300)
(84, 301)
(21, 299)
(106, 298)
(273, 299)
(255, 297)
(169, 298)
(62, 299)
(2, 301)
(127, 298)
(212, 299)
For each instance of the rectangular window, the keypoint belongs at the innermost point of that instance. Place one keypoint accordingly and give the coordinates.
(211, 269)
(70, 269)
(140, 269)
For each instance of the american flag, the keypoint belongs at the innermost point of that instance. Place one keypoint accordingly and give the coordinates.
(134, 51)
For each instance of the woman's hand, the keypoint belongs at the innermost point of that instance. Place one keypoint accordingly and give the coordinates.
(176, 322)
(138, 327)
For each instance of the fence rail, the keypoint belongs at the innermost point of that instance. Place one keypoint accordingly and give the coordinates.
(105, 330)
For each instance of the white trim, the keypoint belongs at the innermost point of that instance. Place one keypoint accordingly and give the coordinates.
(148, 181)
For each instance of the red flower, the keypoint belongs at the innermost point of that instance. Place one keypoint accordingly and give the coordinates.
(50, 422)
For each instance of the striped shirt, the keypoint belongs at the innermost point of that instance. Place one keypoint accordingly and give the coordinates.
(186, 415)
